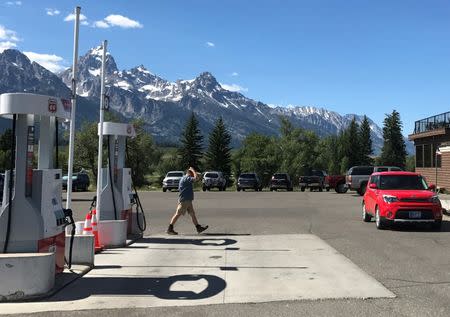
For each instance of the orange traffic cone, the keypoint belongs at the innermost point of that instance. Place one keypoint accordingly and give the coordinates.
(98, 246)
(88, 224)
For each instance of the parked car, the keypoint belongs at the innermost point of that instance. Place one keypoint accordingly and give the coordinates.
(80, 181)
(401, 197)
(214, 180)
(358, 176)
(172, 180)
(249, 181)
(315, 179)
(281, 181)
(336, 182)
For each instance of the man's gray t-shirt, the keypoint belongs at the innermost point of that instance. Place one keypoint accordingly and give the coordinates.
(186, 188)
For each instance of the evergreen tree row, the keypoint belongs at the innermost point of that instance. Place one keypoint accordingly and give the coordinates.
(295, 150)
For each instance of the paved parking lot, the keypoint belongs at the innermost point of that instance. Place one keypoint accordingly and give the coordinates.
(410, 262)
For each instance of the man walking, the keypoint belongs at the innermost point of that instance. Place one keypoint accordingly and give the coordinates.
(186, 196)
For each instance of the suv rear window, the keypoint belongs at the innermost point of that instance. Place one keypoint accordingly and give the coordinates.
(361, 170)
(280, 176)
(317, 173)
(251, 176)
(212, 175)
(174, 174)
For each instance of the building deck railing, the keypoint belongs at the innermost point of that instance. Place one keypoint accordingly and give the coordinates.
(432, 123)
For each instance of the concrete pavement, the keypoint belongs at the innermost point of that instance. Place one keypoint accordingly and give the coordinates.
(409, 261)
(185, 271)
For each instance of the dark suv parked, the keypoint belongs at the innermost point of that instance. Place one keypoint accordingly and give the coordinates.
(281, 181)
(314, 179)
(80, 181)
(249, 181)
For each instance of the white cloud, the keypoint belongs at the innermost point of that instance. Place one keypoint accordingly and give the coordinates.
(8, 38)
(101, 24)
(13, 3)
(234, 74)
(52, 12)
(8, 35)
(6, 45)
(210, 44)
(53, 63)
(119, 21)
(71, 17)
(233, 87)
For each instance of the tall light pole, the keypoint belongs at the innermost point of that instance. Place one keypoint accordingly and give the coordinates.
(74, 107)
(100, 129)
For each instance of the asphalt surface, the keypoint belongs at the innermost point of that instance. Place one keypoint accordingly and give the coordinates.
(412, 262)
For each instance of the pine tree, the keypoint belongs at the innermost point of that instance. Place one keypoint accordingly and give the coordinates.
(365, 142)
(191, 144)
(394, 148)
(218, 155)
(350, 143)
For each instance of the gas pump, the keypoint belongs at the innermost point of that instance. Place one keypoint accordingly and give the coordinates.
(32, 219)
(116, 195)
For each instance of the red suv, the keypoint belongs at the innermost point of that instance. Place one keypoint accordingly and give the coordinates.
(401, 197)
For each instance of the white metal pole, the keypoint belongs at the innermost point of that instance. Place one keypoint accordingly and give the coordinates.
(100, 129)
(74, 107)
(436, 167)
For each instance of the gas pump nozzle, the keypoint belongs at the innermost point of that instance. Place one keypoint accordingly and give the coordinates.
(70, 221)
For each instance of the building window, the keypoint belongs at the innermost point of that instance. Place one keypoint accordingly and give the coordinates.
(437, 160)
(419, 156)
(428, 156)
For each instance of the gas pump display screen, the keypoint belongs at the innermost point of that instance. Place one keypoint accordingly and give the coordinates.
(29, 164)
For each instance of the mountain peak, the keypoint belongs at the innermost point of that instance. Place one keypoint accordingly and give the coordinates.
(97, 51)
(207, 81)
(141, 69)
(15, 56)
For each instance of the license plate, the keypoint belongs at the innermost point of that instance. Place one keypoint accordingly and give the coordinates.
(415, 214)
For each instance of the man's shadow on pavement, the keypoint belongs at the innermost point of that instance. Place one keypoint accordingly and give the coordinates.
(200, 242)
(141, 286)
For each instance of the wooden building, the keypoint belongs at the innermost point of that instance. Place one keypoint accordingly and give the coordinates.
(431, 138)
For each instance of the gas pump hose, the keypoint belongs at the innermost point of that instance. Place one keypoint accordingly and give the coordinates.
(139, 208)
(11, 182)
(111, 180)
(69, 214)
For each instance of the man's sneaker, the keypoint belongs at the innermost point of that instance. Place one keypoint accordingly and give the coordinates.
(200, 229)
(171, 231)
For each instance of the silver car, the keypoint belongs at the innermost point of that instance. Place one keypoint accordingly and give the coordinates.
(172, 180)
(214, 179)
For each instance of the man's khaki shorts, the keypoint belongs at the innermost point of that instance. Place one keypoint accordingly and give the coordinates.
(184, 206)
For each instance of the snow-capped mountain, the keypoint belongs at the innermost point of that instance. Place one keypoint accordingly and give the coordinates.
(19, 74)
(165, 105)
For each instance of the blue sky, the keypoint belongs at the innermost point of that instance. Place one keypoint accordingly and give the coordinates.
(353, 56)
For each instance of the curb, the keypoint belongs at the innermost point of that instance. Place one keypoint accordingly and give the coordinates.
(53, 291)
(83, 271)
